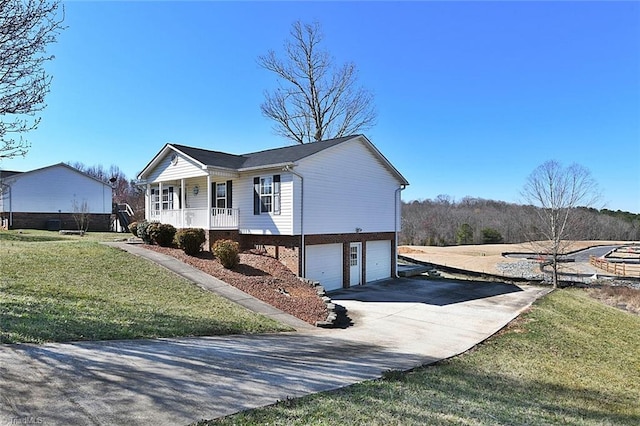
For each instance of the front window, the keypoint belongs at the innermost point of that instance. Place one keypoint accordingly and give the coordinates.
(221, 195)
(167, 198)
(155, 200)
(266, 194)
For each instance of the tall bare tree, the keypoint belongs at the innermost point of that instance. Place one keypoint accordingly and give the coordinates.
(558, 191)
(27, 27)
(315, 99)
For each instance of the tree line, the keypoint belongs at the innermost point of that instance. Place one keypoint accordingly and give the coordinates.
(444, 221)
(124, 189)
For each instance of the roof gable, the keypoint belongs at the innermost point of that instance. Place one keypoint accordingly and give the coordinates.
(18, 175)
(263, 159)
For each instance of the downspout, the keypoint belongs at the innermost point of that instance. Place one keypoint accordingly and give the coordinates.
(397, 203)
(303, 250)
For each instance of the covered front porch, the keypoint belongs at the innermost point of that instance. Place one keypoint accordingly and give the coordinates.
(213, 218)
(200, 202)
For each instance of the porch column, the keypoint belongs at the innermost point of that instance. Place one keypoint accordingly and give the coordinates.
(148, 203)
(160, 201)
(209, 202)
(183, 199)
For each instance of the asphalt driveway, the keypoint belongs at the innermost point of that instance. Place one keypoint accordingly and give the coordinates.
(396, 324)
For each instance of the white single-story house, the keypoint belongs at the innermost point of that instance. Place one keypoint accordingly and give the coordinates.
(329, 210)
(50, 197)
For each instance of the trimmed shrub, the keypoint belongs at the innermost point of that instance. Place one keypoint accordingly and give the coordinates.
(190, 240)
(227, 253)
(133, 228)
(162, 234)
(143, 231)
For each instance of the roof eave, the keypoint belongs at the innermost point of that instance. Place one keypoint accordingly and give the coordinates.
(267, 166)
(160, 155)
(385, 162)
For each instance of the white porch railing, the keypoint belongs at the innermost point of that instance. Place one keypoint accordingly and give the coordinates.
(197, 218)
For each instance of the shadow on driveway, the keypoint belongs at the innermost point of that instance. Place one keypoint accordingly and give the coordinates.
(437, 293)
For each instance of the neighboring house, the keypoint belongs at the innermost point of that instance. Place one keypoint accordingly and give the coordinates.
(53, 198)
(337, 199)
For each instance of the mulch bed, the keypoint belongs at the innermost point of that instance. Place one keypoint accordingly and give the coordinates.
(264, 278)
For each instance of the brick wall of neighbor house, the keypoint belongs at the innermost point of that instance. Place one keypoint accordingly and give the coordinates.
(97, 222)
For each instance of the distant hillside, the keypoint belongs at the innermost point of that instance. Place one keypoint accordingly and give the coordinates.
(444, 221)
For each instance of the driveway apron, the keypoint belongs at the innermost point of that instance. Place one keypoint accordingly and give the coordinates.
(396, 324)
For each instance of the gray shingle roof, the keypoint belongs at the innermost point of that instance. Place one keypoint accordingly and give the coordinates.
(288, 154)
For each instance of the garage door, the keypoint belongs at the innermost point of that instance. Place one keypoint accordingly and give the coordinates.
(378, 260)
(324, 264)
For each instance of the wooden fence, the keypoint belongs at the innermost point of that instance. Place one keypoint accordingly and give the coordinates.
(616, 268)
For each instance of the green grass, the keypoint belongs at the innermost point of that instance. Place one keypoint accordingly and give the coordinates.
(55, 288)
(34, 235)
(570, 360)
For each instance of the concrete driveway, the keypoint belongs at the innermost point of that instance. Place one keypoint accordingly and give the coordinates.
(397, 324)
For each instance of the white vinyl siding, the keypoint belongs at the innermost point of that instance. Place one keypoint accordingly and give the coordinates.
(346, 187)
(167, 171)
(378, 260)
(54, 189)
(264, 223)
(324, 264)
(192, 200)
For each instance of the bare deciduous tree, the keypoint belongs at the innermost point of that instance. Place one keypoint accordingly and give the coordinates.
(27, 27)
(558, 191)
(124, 190)
(81, 214)
(315, 99)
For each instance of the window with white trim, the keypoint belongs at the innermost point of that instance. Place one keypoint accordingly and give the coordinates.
(266, 195)
(155, 200)
(221, 195)
(167, 198)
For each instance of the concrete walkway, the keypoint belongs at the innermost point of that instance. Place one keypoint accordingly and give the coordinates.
(397, 324)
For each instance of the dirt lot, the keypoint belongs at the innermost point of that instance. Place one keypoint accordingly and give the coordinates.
(483, 258)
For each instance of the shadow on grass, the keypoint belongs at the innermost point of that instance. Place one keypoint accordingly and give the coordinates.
(438, 395)
(57, 322)
(25, 237)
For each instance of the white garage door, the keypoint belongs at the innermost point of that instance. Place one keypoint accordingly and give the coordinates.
(378, 260)
(324, 264)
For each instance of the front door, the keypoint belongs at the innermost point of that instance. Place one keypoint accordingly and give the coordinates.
(355, 260)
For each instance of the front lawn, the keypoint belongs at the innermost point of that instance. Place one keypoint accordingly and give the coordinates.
(55, 288)
(570, 360)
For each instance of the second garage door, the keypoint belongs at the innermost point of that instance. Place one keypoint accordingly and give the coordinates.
(324, 264)
(378, 260)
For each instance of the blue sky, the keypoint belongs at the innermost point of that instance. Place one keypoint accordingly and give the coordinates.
(471, 96)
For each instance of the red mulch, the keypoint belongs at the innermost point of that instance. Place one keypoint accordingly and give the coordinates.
(264, 278)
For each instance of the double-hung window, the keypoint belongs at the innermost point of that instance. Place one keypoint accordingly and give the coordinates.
(266, 194)
(167, 198)
(155, 200)
(221, 195)
(266, 197)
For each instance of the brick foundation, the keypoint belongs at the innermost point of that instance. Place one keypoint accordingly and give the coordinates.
(286, 248)
(55, 221)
